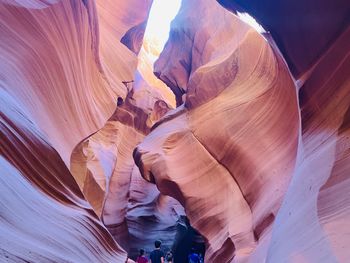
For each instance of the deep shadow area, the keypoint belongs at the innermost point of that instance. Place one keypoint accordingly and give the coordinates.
(187, 238)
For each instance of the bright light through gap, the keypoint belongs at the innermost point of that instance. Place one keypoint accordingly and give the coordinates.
(251, 21)
(158, 25)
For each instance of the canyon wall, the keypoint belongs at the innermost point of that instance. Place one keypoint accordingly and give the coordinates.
(228, 153)
(44, 216)
(266, 176)
(62, 70)
(71, 68)
(96, 162)
(315, 214)
(303, 31)
(132, 209)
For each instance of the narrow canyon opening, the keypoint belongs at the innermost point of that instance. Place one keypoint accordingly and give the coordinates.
(134, 211)
(155, 37)
(172, 228)
(231, 138)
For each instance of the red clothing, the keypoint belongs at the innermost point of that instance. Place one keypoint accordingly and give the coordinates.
(141, 259)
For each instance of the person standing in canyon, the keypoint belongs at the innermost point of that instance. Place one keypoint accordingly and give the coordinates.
(157, 255)
(169, 257)
(142, 258)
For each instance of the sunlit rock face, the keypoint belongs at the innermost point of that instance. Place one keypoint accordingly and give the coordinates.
(257, 151)
(315, 214)
(230, 81)
(65, 63)
(228, 154)
(44, 216)
(132, 209)
(62, 68)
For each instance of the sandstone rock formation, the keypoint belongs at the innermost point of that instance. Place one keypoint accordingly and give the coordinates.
(104, 167)
(303, 31)
(62, 67)
(244, 89)
(105, 171)
(315, 214)
(44, 216)
(66, 74)
(234, 86)
(97, 162)
(45, 55)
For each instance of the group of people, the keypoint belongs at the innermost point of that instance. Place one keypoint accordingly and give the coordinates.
(158, 256)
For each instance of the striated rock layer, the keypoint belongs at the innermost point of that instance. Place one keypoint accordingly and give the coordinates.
(257, 151)
(62, 68)
(315, 213)
(262, 175)
(231, 180)
(44, 216)
(41, 56)
(315, 27)
(65, 63)
(131, 208)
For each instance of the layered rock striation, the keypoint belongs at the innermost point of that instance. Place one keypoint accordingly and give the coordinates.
(44, 216)
(315, 212)
(248, 138)
(96, 162)
(238, 151)
(62, 68)
(132, 209)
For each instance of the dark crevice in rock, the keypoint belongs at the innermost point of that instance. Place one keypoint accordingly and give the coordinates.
(133, 38)
(263, 225)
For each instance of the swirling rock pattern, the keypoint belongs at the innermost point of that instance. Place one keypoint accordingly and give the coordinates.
(315, 213)
(44, 216)
(244, 89)
(150, 215)
(317, 229)
(315, 27)
(293, 179)
(104, 168)
(59, 85)
(43, 56)
(257, 151)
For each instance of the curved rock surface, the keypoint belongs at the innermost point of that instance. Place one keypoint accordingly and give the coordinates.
(62, 68)
(45, 82)
(279, 175)
(133, 210)
(242, 170)
(67, 73)
(44, 216)
(68, 70)
(320, 182)
(257, 151)
(315, 28)
(318, 56)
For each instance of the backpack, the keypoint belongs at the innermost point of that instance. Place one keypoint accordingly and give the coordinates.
(193, 258)
(169, 256)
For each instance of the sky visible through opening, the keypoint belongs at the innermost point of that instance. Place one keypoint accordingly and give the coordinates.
(163, 12)
(156, 35)
(158, 25)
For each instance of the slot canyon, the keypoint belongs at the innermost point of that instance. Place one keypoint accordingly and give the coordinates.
(227, 137)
